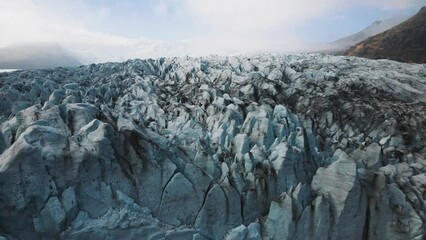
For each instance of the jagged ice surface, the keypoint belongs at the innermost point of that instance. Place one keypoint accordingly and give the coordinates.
(247, 147)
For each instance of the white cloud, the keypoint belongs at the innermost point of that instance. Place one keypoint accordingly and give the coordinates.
(161, 7)
(255, 14)
(233, 26)
(98, 47)
(261, 15)
(393, 4)
(250, 24)
(23, 22)
(20, 22)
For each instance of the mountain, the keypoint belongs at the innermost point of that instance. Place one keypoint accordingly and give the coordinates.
(375, 28)
(405, 42)
(244, 147)
(33, 56)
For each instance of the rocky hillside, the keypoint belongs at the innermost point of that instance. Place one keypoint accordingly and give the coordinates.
(405, 42)
(249, 147)
(376, 27)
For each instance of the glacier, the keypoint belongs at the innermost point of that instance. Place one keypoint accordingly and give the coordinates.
(271, 146)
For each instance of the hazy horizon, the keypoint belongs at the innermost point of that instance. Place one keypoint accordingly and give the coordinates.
(106, 30)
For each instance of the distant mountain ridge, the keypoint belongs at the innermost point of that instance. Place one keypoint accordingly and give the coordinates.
(405, 42)
(375, 28)
(35, 56)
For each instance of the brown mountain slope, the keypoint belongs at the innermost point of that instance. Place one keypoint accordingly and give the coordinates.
(405, 42)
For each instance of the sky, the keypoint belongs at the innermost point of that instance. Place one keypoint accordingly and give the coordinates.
(107, 30)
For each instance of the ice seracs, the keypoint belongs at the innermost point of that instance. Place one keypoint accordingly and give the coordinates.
(242, 147)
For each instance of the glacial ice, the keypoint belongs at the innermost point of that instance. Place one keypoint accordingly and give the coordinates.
(304, 146)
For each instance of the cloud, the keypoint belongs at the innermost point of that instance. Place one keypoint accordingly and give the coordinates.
(20, 22)
(23, 22)
(161, 7)
(228, 26)
(393, 4)
(256, 15)
(98, 47)
(272, 24)
(256, 26)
